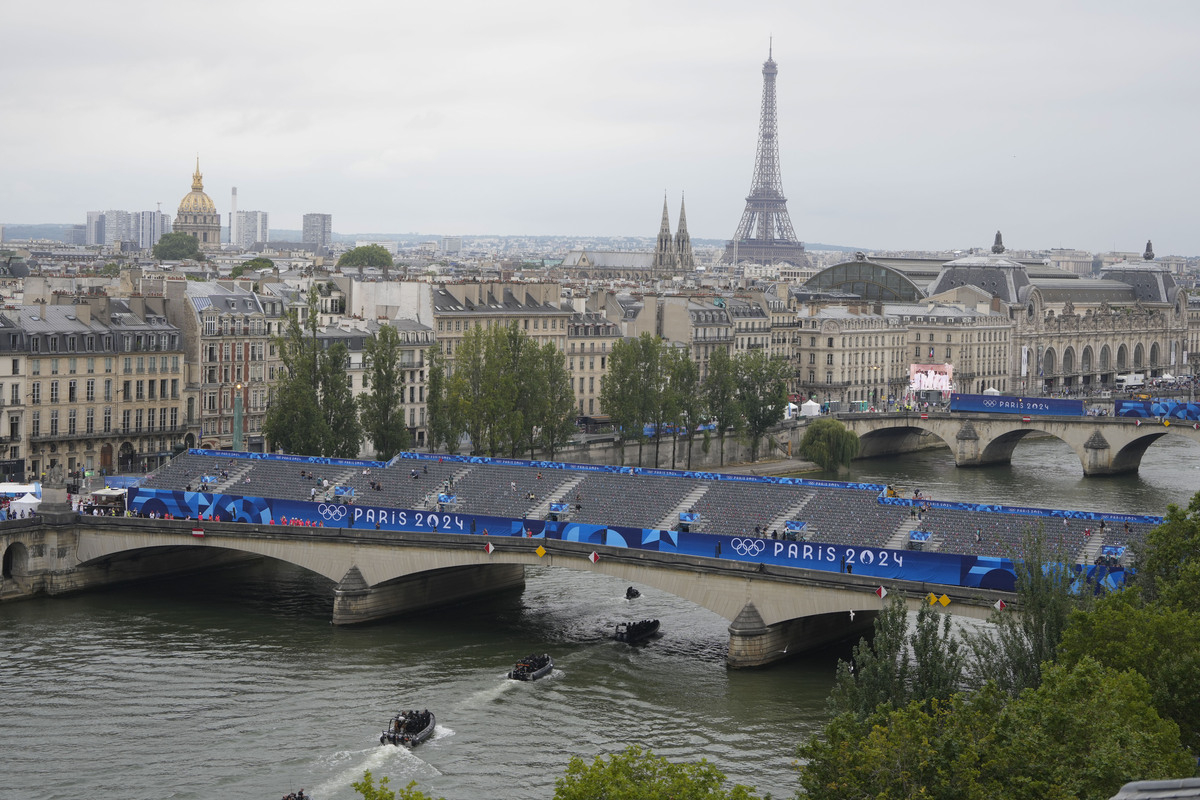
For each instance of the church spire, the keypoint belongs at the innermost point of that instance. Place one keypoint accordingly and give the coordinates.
(197, 178)
(683, 242)
(665, 257)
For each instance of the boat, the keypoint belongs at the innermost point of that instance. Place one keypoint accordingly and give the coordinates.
(409, 728)
(632, 593)
(532, 667)
(636, 632)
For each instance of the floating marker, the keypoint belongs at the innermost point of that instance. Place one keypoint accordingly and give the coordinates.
(594, 557)
(541, 551)
(489, 548)
(999, 605)
(881, 592)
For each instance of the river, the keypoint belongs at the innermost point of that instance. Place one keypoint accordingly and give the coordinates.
(233, 684)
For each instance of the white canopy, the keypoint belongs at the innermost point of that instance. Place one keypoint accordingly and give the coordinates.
(9, 489)
(810, 408)
(28, 503)
(992, 390)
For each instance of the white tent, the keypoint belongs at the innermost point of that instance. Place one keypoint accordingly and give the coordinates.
(811, 408)
(991, 390)
(790, 411)
(27, 504)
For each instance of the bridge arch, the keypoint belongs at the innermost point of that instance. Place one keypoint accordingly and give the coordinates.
(900, 438)
(16, 561)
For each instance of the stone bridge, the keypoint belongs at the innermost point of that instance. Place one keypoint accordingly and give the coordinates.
(1105, 445)
(772, 610)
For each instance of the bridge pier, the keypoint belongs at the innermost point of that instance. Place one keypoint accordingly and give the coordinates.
(753, 643)
(354, 602)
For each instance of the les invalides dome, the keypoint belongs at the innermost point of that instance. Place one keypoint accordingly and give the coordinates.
(198, 215)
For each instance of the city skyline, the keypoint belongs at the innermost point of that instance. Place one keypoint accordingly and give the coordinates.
(915, 128)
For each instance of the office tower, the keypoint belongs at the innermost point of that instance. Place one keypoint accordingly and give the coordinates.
(318, 230)
(149, 227)
(451, 245)
(765, 232)
(251, 228)
(95, 228)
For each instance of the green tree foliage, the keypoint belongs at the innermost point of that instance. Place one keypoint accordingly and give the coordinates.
(630, 391)
(368, 790)
(1083, 733)
(382, 405)
(1168, 561)
(178, 246)
(506, 392)
(442, 417)
(1160, 643)
(110, 270)
(312, 410)
(369, 255)
(720, 394)
(637, 774)
(828, 444)
(683, 375)
(558, 400)
(894, 669)
(1011, 651)
(253, 265)
(761, 393)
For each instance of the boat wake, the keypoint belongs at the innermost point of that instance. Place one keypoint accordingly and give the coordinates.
(489, 694)
(376, 759)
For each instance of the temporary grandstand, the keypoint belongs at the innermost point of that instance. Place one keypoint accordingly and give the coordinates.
(836, 514)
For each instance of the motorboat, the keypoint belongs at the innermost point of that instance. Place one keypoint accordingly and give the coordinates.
(409, 728)
(636, 632)
(632, 593)
(532, 667)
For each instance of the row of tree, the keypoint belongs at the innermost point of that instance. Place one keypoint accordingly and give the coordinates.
(1071, 696)
(506, 392)
(654, 385)
(314, 410)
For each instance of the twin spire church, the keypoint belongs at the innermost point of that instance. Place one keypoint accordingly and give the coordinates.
(672, 255)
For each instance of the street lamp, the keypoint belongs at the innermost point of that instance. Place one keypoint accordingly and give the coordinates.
(237, 417)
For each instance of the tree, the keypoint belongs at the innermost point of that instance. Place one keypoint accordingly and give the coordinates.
(683, 375)
(829, 444)
(443, 420)
(1161, 644)
(1011, 651)
(367, 789)
(344, 433)
(382, 405)
(177, 247)
(1081, 734)
(369, 255)
(720, 392)
(894, 669)
(293, 420)
(761, 393)
(637, 774)
(558, 422)
(1168, 560)
(253, 265)
(618, 392)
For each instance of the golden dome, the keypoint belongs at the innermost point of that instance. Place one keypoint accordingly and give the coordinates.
(196, 201)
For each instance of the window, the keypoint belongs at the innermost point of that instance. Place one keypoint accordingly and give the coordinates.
(829, 359)
(71, 421)
(35, 425)
(830, 342)
(107, 419)
(35, 393)
(71, 397)
(108, 390)
(54, 422)
(90, 421)
(125, 421)
(16, 366)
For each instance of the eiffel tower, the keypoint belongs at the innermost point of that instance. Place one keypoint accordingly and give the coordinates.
(765, 233)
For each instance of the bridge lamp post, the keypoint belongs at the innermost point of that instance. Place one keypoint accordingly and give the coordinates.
(237, 417)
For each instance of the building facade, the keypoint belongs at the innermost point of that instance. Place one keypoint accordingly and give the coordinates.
(317, 230)
(197, 215)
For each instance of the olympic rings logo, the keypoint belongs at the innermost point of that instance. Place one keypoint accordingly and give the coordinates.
(331, 513)
(748, 547)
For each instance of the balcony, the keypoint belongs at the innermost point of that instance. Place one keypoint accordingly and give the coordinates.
(112, 434)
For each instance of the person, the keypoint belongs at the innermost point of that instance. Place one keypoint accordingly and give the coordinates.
(424, 469)
(718, 548)
(512, 485)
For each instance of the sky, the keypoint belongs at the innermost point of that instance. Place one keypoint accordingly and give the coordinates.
(916, 125)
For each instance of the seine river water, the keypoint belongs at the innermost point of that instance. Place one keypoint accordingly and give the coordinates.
(234, 685)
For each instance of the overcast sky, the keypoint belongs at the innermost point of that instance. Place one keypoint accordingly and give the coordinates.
(901, 124)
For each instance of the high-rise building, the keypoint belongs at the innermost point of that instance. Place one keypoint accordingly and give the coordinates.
(74, 234)
(149, 227)
(451, 245)
(118, 227)
(198, 215)
(95, 228)
(765, 233)
(250, 228)
(318, 230)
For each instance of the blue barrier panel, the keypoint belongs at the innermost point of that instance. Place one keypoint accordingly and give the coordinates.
(1001, 404)
(1164, 409)
(1023, 510)
(795, 526)
(560, 508)
(688, 516)
(919, 536)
